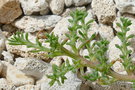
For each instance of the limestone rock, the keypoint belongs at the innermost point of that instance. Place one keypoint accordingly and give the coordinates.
(119, 68)
(32, 67)
(105, 10)
(4, 85)
(61, 28)
(2, 42)
(106, 32)
(57, 61)
(8, 57)
(37, 23)
(28, 87)
(1, 66)
(125, 6)
(23, 51)
(72, 83)
(81, 2)
(57, 6)
(113, 52)
(9, 11)
(132, 29)
(14, 76)
(69, 10)
(31, 6)
(77, 2)
(68, 3)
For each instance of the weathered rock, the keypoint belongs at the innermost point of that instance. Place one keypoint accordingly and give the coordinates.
(28, 87)
(105, 10)
(8, 30)
(81, 2)
(32, 67)
(106, 32)
(1, 66)
(5, 85)
(69, 10)
(37, 23)
(72, 83)
(132, 28)
(68, 3)
(61, 28)
(57, 61)
(77, 2)
(113, 52)
(2, 42)
(14, 76)
(8, 57)
(9, 10)
(31, 6)
(23, 51)
(57, 6)
(125, 6)
(119, 68)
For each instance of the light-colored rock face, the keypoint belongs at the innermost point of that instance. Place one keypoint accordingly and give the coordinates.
(1, 66)
(31, 6)
(32, 67)
(106, 32)
(77, 2)
(72, 83)
(69, 10)
(14, 76)
(8, 57)
(119, 68)
(28, 87)
(132, 29)
(57, 6)
(81, 2)
(9, 11)
(113, 52)
(125, 6)
(105, 10)
(61, 28)
(2, 42)
(37, 23)
(4, 85)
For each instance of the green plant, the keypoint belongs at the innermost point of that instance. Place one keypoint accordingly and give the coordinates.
(96, 58)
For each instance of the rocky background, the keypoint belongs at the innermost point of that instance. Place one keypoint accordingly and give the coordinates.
(22, 70)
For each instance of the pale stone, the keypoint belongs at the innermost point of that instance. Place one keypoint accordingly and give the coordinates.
(61, 28)
(57, 61)
(71, 83)
(72, 9)
(5, 85)
(14, 76)
(57, 6)
(32, 67)
(2, 42)
(106, 32)
(37, 23)
(132, 28)
(113, 52)
(28, 87)
(119, 68)
(23, 51)
(9, 11)
(8, 57)
(31, 6)
(125, 6)
(105, 10)
(81, 2)
(68, 3)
